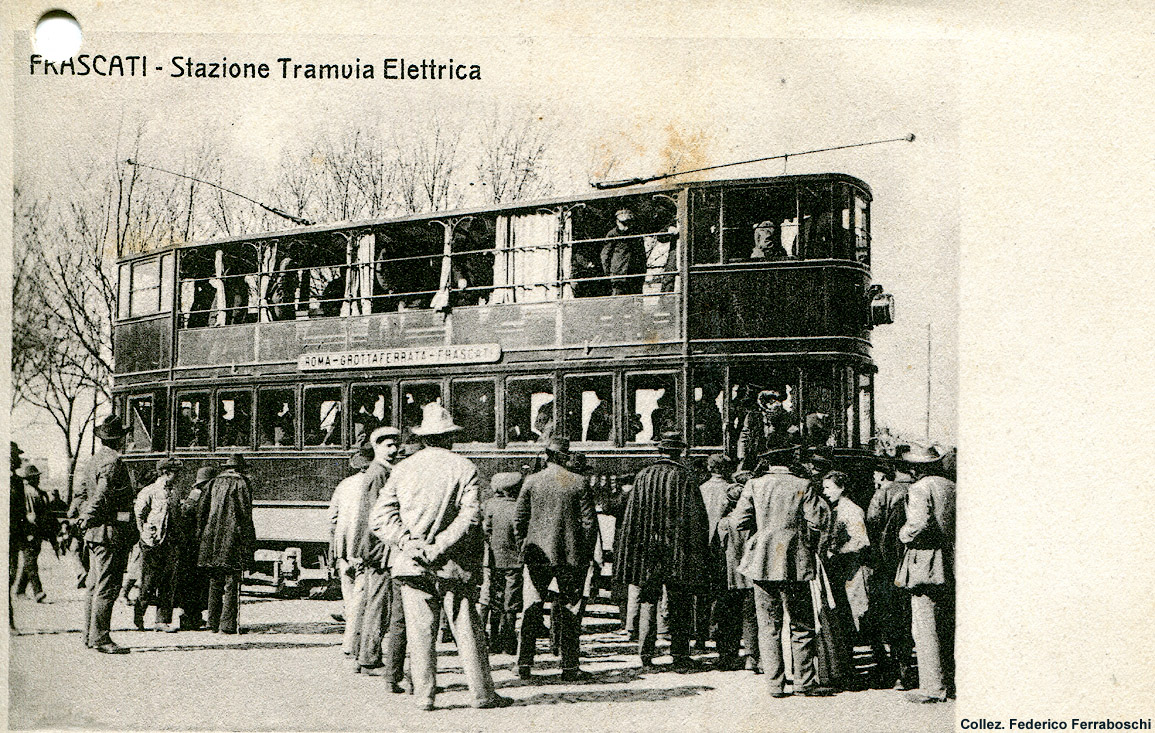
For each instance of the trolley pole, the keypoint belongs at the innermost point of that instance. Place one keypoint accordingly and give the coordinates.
(928, 369)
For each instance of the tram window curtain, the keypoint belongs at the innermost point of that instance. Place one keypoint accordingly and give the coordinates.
(526, 265)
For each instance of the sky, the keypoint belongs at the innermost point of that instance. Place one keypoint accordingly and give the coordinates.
(737, 98)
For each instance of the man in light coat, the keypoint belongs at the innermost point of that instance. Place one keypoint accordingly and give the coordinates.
(344, 516)
(927, 571)
(789, 519)
(153, 507)
(429, 516)
(556, 528)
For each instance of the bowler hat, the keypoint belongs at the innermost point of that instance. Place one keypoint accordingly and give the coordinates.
(169, 464)
(29, 471)
(671, 440)
(204, 475)
(435, 420)
(110, 429)
(236, 461)
(919, 454)
(505, 483)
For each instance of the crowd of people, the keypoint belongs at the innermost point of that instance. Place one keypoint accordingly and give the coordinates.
(776, 565)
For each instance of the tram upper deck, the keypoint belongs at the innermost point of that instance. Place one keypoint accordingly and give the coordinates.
(765, 266)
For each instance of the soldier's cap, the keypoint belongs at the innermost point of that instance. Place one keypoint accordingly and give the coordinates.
(169, 464)
(506, 482)
(204, 475)
(29, 471)
(385, 431)
(671, 440)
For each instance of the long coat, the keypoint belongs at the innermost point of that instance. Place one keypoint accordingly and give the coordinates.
(225, 519)
(790, 520)
(556, 524)
(727, 541)
(499, 514)
(107, 513)
(665, 529)
(928, 534)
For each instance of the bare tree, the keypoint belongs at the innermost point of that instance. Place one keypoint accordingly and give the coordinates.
(512, 157)
(429, 166)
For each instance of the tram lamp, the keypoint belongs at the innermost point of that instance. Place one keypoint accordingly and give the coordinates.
(881, 306)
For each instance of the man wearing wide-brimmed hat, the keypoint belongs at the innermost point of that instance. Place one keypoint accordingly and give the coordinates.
(663, 542)
(109, 532)
(227, 540)
(41, 527)
(556, 528)
(429, 516)
(154, 507)
(927, 571)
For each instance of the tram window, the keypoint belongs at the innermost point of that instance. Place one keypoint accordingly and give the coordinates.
(613, 240)
(861, 229)
(234, 419)
(140, 424)
(372, 407)
(322, 416)
(823, 395)
(472, 270)
(705, 208)
(709, 394)
(219, 285)
(192, 420)
(145, 297)
(414, 397)
(816, 223)
(125, 290)
(590, 408)
(276, 417)
(529, 406)
(762, 410)
(865, 407)
(473, 409)
(651, 406)
(752, 221)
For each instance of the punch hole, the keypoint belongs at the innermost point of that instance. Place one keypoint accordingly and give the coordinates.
(57, 36)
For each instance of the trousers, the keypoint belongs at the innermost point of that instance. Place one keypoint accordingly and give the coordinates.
(106, 566)
(423, 598)
(28, 574)
(224, 598)
(352, 587)
(156, 584)
(566, 615)
(770, 598)
(505, 603)
(679, 600)
(932, 626)
(382, 628)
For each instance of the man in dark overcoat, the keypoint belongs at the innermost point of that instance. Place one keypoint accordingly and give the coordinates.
(189, 582)
(556, 528)
(109, 533)
(498, 519)
(663, 543)
(227, 540)
(790, 518)
(889, 604)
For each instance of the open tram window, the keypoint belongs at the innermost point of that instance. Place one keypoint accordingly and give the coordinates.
(472, 269)
(529, 409)
(408, 263)
(763, 410)
(861, 228)
(865, 407)
(141, 424)
(590, 407)
(192, 420)
(277, 417)
(651, 406)
(705, 225)
(371, 407)
(234, 419)
(823, 404)
(816, 222)
(323, 421)
(707, 399)
(472, 405)
(219, 285)
(414, 397)
(613, 241)
(756, 222)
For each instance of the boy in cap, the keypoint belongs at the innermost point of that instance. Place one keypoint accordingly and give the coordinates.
(499, 516)
(153, 507)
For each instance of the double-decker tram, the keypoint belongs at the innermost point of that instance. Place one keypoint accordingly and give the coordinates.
(608, 318)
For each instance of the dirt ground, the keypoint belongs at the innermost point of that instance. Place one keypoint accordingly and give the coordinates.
(286, 672)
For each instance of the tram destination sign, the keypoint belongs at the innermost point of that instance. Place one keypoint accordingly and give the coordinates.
(414, 356)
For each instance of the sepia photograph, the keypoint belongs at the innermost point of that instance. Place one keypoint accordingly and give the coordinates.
(482, 380)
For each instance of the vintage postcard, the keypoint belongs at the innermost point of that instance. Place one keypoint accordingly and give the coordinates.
(482, 372)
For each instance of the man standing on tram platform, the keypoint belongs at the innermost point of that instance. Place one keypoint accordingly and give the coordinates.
(109, 532)
(556, 528)
(429, 516)
(624, 256)
(663, 543)
(380, 618)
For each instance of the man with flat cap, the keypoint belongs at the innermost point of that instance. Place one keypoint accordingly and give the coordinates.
(624, 255)
(664, 543)
(557, 530)
(499, 516)
(109, 532)
(227, 540)
(789, 518)
(927, 571)
(429, 516)
(154, 507)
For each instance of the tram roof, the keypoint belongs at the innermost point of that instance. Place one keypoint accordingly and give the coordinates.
(502, 208)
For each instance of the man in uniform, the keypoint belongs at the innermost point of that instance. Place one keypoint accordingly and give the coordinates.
(109, 533)
(789, 518)
(927, 571)
(556, 530)
(429, 516)
(663, 543)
